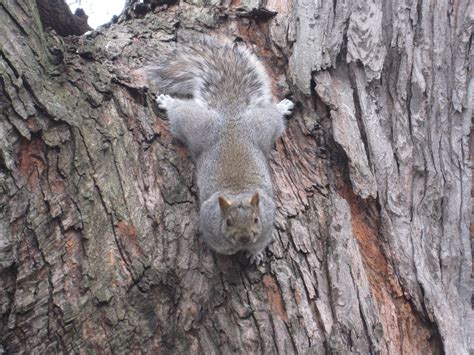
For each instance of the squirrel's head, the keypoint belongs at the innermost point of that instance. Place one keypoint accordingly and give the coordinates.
(241, 224)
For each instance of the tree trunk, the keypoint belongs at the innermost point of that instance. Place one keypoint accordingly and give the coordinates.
(99, 244)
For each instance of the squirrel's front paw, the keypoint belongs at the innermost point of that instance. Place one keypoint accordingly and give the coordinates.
(164, 101)
(256, 259)
(286, 107)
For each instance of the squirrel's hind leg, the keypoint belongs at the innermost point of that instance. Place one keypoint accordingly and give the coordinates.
(191, 122)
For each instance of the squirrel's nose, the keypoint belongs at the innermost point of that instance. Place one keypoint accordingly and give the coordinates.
(244, 239)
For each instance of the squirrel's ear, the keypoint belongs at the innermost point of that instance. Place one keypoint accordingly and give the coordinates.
(255, 199)
(224, 204)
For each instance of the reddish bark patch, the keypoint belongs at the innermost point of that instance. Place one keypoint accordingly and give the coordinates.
(274, 297)
(403, 330)
(32, 161)
(57, 186)
(128, 238)
(33, 124)
(182, 151)
(96, 336)
(17, 226)
(127, 230)
(367, 236)
(156, 348)
(160, 129)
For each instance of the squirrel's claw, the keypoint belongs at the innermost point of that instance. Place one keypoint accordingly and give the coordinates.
(286, 107)
(256, 259)
(164, 101)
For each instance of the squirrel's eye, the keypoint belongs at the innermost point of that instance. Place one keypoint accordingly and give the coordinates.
(255, 220)
(228, 222)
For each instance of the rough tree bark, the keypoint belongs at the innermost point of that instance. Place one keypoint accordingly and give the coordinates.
(99, 247)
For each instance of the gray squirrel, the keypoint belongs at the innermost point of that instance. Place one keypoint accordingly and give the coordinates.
(223, 111)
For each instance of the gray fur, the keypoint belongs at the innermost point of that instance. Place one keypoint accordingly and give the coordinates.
(230, 124)
(224, 75)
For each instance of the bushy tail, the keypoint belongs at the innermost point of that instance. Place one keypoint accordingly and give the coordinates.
(217, 72)
(175, 75)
